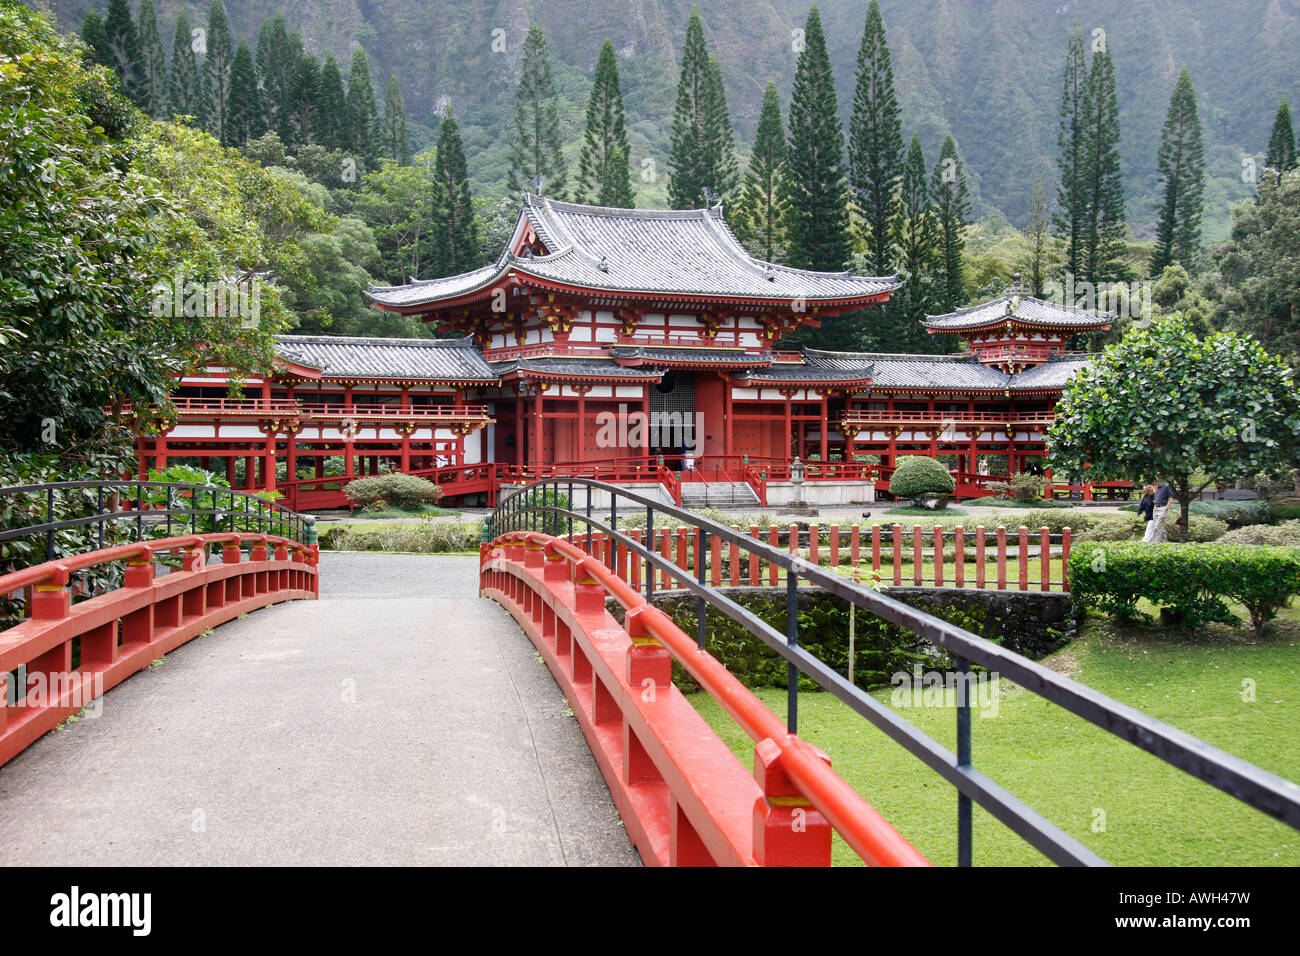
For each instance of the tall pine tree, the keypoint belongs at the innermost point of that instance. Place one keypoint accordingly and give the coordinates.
(124, 54)
(1039, 245)
(247, 114)
(304, 101)
(455, 237)
(1072, 196)
(153, 58)
(875, 141)
(1104, 228)
(1281, 143)
(758, 216)
(361, 128)
(276, 58)
(218, 62)
(951, 198)
(535, 149)
(1181, 161)
(392, 141)
(331, 106)
(94, 36)
(818, 219)
(703, 154)
(604, 175)
(184, 78)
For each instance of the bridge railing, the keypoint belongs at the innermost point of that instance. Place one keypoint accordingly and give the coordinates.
(529, 511)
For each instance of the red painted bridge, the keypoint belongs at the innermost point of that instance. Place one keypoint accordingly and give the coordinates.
(289, 707)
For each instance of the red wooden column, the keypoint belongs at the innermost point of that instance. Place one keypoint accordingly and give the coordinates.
(784, 453)
(405, 430)
(268, 462)
(537, 424)
(230, 470)
(645, 423)
(728, 413)
(291, 455)
(160, 451)
(580, 432)
(519, 425)
(826, 429)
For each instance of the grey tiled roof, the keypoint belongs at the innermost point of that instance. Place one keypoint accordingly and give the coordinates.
(452, 360)
(670, 354)
(793, 373)
(643, 251)
(593, 367)
(1053, 374)
(1025, 309)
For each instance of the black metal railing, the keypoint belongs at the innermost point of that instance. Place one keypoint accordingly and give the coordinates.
(528, 510)
(117, 512)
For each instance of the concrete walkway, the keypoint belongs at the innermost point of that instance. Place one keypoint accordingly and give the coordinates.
(401, 719)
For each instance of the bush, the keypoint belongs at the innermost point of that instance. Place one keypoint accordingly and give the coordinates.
(917, 475)
(1284, 535)
(1236, 514)
(425, 536)
(1202, 530)
(1020, 487)
(400, 491)
(1286, 509)
(1192, 582)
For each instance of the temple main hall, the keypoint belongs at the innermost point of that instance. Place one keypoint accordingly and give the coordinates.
(640, 347)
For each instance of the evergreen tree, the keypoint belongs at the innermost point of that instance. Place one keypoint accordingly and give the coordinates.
(93, 35)
(1281, 143)
(304, 101)
(1181, 161)
(331, 106)
(916, 246)
(604, 177)
(455, 238)
(875, 141)
(393, 143)
(535, 149)
(277, 55)
(1073, 195)
(217, 64)
(1038, 259)
(247, 114)
(703, 154)
(758, 216)
(818, 219)
(124, 54)
(951, 199)
(184, 79)
(361, 130)
(1104, 228)
(154, 60)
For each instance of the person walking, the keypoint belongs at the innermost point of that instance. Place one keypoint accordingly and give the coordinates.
(1160, 511)
(1147, 505)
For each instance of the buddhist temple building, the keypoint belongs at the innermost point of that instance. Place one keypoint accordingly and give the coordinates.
(638, 346)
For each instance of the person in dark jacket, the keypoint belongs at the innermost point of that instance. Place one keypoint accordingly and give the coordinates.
(1148, 503)
(1159, 512)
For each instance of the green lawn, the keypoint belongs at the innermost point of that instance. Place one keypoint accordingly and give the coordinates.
(1068, 770)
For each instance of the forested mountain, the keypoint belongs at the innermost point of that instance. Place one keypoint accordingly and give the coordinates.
(988, 72)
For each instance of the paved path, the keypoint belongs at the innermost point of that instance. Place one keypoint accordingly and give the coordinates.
(401, 719)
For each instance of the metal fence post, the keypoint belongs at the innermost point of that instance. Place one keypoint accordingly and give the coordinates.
(792, 637)
(701, 605)
(650, 546)
(963, 760)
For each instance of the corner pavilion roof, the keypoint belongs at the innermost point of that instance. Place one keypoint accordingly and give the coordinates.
(1021, 309)
(640, 253)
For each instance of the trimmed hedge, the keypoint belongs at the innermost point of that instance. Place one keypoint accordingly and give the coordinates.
(918, 475)
(1284, 535)
(398, 490)
(1191, 583)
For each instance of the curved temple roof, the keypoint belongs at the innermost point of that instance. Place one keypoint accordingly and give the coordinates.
(642, 252)
(1022, 309)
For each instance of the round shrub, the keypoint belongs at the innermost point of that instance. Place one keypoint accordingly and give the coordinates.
(1284, 535)
(917, 475)
(399, 491)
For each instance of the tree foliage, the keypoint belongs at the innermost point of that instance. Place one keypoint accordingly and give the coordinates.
(951, 198)
(703, 154)
(604, 172)
(758, 216)
(1182, 171)
(455, 235)
(875, 142)
(1281, 143)
(1165, 404)
(536, 148)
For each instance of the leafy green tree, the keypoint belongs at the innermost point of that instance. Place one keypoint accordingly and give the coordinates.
(218, 62)
(455, 238)
(818, 220)
(153, 61)
(125, 56)
(96, 39)
(951, 198)
(330, 129)
(1281, 142)
(1039, 256)
(185, 80)
(1104, 227)
(1258, 265)
(604, 176)
(1182, 170)
(1166, 404)
(758, 216)
(1072, 163)
(536, 147)
(396, 202)
(875, 142)
(393, 142)
(361, 120)
(247, 114)
(703, 154)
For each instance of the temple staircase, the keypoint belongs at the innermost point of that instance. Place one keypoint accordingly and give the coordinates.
(718, 494)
